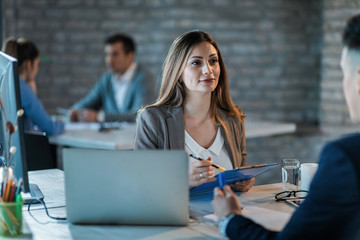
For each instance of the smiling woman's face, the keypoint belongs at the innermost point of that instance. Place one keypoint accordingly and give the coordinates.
(202, 70)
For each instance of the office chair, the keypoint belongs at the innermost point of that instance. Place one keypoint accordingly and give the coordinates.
(39, 153)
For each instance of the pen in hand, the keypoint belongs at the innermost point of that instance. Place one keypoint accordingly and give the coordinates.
(221, 179)
(214, 165)
(222, 182)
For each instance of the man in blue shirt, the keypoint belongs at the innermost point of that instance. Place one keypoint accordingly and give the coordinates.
(331, 209)
(121, 91)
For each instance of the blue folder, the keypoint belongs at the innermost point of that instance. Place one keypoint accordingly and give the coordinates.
(235, 175)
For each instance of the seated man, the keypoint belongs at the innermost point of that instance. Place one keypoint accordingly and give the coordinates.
(331, 210)
(121, 91)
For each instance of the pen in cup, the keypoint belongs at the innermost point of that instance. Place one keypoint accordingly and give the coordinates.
(214, 165)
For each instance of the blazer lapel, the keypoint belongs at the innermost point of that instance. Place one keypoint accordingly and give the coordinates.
(111, 93)
(227, 134)
(175, 123)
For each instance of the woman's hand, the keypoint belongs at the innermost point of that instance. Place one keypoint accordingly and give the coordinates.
(225, 202)
(83, 115)
(201, 172)
(243, 186)
(73, 116)
(87, 115)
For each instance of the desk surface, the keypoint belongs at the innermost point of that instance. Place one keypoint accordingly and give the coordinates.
(90, 137)
(259, 204)
(255, 129)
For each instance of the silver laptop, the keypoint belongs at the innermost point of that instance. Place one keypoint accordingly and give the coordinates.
(148, 187)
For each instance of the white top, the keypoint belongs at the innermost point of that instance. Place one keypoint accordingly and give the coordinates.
(121, 85)
(217, 151)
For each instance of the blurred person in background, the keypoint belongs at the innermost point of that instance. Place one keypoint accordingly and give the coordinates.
(28, 57)
(121, 91)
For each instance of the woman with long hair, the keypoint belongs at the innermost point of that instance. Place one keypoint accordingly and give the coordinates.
(195, 112)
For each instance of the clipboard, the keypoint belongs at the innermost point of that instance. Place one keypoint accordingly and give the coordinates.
(235, 175)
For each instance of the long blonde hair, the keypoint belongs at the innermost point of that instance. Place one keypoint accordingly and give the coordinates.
(172, 92)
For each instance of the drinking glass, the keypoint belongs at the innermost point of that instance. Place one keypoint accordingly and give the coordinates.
(290, 174)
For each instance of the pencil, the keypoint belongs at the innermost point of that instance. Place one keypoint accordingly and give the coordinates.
(214, 165)
(7, 190)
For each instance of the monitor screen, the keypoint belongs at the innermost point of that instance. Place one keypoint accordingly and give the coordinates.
(11, 103)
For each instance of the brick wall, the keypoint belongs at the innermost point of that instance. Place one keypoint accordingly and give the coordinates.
(271, 48)
(280, 65)
(305, 146)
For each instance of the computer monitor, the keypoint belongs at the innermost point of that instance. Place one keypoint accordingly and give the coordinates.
(11, 102)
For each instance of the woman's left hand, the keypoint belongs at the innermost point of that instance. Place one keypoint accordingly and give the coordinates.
(243, 186)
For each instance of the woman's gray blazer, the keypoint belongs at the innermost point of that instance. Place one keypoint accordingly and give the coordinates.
(163, 128)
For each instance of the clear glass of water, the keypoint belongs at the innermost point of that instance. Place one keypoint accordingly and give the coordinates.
(290, 174)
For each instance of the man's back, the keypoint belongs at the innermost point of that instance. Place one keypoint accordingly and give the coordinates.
(332, 208)
(333, 203)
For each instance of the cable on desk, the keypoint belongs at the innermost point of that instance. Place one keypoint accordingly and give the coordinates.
(46, 210)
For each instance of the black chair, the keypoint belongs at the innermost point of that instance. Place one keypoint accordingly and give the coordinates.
(39, 153)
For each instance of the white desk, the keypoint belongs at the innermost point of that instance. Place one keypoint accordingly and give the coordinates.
(92, 138)
(51, 182)
(124, 138)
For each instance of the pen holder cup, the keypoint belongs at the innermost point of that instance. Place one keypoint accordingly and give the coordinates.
(11, 219)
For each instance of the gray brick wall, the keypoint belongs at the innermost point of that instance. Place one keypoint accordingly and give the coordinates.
(305, 145)
(271, 48)
(282, 56)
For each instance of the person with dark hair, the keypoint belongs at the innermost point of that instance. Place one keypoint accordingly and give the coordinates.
(331, 210)
(195, 112)
(121, 91)
(28, 57)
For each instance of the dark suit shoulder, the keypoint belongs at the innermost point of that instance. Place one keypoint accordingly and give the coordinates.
(241, 227)
(333, 200)
(348, 146)
(350, 141)
(342, 152)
